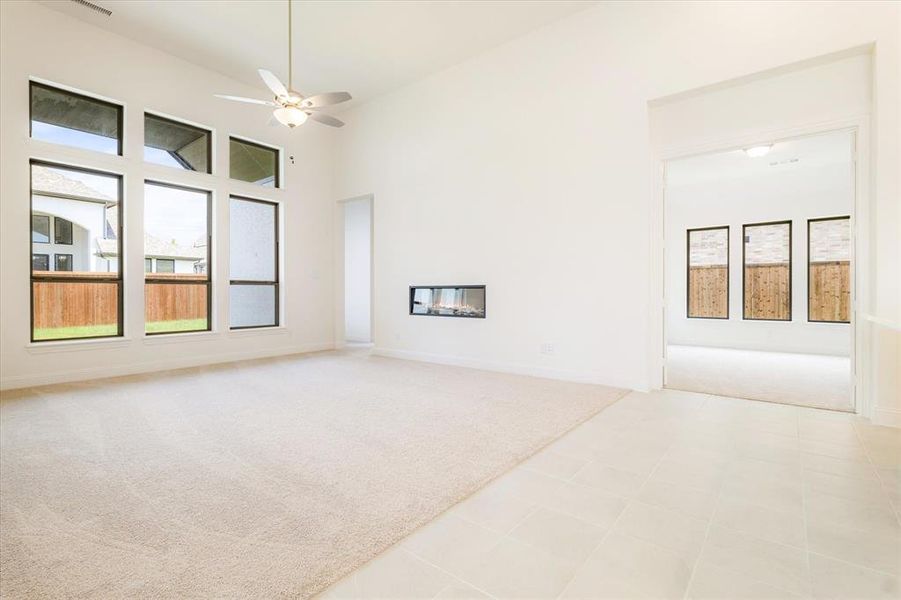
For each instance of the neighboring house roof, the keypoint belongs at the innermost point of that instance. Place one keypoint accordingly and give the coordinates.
(154, 247)
(45, 179)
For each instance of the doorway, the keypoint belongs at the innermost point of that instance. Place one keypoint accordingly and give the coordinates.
(759, 271)
(358, 270)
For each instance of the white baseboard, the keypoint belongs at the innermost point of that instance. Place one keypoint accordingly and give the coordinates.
(887, 416)
(104, 371)
(505, 367)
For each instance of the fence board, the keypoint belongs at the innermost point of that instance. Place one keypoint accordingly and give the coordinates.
(829, 293)
(708, 291)
(767, 292)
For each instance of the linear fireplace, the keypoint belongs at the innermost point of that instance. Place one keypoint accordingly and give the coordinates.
(467, 301)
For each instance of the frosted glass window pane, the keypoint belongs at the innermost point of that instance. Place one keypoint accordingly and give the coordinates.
(252, 239)
(252, 305)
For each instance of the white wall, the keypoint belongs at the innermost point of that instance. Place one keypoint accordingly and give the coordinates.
(357, 266)
(36, 41)
(529, 169)
(796, 193)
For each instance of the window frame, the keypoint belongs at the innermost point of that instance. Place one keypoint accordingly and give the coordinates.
(47, 256)
(276, 284)
(688, 233)
(809, 263)
(49, 241)
(56, 257)
(56, 240)
(744, 279)
(150, 279)
(167, 118)
(165, 261)
(120, 115)
(278, 160)
(119, 280)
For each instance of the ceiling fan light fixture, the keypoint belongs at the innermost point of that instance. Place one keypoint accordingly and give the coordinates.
(290, 116)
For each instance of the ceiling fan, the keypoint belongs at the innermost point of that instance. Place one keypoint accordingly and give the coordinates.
(291, 107)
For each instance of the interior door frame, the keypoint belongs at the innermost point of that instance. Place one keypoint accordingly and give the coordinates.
(339, 249)
(861, 258)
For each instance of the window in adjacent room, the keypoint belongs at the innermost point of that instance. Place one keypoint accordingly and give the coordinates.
(176, 226)
(767, 271)
(72, 119)
(148, 265)
(829, 270)
(708, 273)
(253, 267)
(81, 297)
(253, 162)
(176, 144)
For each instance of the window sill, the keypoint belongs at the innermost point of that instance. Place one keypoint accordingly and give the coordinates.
(255, 331)
(175, 338)
(74, 345)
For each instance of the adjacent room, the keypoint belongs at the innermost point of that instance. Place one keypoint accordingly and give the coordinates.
(432, 299)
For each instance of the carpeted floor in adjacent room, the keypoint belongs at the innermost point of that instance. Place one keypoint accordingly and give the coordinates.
(258, 479)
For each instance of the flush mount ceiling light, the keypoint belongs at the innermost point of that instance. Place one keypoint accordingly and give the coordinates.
(293, 108)
(758, 151)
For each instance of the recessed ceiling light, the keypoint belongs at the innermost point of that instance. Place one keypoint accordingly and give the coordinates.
(758, 151)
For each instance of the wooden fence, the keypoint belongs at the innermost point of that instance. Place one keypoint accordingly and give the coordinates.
(767, 291)
(829, 293)
(95, 302)
(708, 289)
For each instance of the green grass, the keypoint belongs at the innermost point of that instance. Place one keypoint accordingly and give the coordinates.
(110, 329)
(65, 333)
(173, 326)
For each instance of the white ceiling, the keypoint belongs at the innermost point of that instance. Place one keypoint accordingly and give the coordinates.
(800, 153)
(366, 47)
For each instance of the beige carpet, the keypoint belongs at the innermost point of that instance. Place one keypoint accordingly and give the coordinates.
(267, 478)
(814, 380)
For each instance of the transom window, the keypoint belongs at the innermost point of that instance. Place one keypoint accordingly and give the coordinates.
(175, 144)
(253, 162)
(64, 117)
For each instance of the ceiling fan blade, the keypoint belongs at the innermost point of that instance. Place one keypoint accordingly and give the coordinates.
(273, 83)
(327, 99)
(247, 100)
(326, 119)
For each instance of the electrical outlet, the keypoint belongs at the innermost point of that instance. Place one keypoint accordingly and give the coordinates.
(547, 348)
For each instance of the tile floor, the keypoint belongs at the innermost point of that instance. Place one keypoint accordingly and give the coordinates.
(670, 495)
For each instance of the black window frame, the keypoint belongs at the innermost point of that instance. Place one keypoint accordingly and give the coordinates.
(120, 271)
(277, 183)
(49, 229)
(120, 115)
(150, 279)
(56, 228)
(809, 263)
(46, 258)
(744, 278)
(148, 265)
(274, 283)
(688, 233)
(207, 132)
(56, 258)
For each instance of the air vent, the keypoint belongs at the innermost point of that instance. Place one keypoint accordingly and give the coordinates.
(94, 7)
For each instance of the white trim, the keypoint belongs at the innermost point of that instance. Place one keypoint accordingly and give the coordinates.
(884, 322)
(887, 417)
(339, 223)
(257, 331)
(163, 337)
(105, 371)
(858, 125)
(507, 367)
(51, 346)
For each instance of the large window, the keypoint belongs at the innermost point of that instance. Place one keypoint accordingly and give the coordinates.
(829, 270)
(708, 273)
(81, 297)
(176, 233)
(175, 144)
(253, 162)
(72, 119)
(767, 271)
(253, 267)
